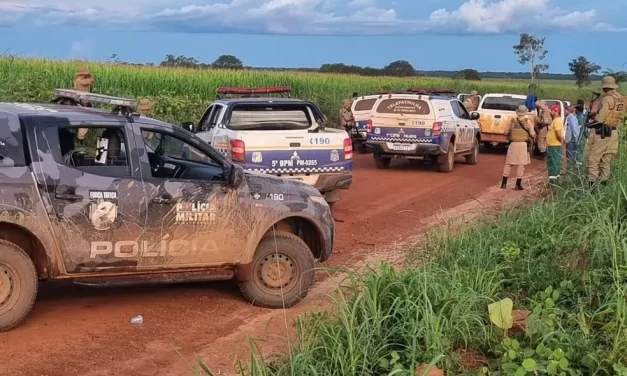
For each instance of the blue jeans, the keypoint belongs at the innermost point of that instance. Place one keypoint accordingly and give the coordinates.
(572, 151)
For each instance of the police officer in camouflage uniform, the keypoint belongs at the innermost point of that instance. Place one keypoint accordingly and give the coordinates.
(346, 116)
(603, 139)
(544, 121)
(472, 102)
(521, 134)
(83, 79)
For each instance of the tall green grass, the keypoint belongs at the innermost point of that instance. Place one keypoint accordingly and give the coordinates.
(183, 94)
(564, 259)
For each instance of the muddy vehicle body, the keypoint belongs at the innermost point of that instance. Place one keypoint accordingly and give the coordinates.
(123, 206)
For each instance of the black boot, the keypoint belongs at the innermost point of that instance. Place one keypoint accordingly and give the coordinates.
(518, 185)
(504, 182)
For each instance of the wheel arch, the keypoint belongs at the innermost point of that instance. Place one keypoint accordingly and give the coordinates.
(30, 243)
(300, 225)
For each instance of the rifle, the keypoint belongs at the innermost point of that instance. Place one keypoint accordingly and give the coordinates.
(586, 124)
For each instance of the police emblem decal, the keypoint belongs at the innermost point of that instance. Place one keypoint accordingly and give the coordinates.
(257, 157)
(377, 131)
(335, 156)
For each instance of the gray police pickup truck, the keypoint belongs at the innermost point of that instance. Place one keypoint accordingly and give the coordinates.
(106, 197)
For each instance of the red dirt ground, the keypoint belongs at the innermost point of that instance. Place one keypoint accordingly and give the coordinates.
(76, 330)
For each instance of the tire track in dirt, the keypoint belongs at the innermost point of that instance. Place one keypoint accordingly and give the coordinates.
(76, 330)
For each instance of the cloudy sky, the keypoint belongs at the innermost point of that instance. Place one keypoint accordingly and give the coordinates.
(431, 34)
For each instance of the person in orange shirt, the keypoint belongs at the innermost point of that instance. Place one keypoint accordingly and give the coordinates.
(554, 140)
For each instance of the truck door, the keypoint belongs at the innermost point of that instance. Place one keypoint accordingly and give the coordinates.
(195, 218)
(95, 192)
(465, 129)
(208, 122)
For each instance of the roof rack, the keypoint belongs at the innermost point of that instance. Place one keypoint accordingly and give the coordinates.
(427, 91)
(123, 106)
(243, 92)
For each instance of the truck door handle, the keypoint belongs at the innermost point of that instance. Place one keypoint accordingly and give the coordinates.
(164, 200)
(68, 196)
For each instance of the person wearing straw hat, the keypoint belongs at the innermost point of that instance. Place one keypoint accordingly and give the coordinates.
(83, 79)
(554, 140)
(144, 106)
(603, 139)
(472, 102)
(521, 134)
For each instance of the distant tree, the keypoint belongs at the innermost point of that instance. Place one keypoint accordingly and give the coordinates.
(582, 69)
(530, 50)
(179, 61)
(114, 59)
(619, 76)
(399, 68)
(227, 62)
(467, 74)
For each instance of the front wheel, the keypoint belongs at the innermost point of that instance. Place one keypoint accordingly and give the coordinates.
(18, 285)
(282, 271)
(471, 158)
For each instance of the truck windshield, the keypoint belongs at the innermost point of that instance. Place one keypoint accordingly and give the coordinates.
(268, 117)
(501, 103)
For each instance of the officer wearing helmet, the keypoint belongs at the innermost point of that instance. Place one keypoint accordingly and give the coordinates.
(472, 102)
(603, 138)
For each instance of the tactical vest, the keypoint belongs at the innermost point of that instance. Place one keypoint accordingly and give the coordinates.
(518, 133)
(615, 114)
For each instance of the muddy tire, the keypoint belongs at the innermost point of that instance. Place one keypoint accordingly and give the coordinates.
(471, 158)
(282, 271)
(382, 163)
(18, 285)
(446, 163)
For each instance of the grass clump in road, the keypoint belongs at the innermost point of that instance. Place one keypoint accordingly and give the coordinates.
(539, 290)
(181, 94)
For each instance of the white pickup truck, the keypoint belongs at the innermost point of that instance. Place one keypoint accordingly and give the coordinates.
(283, 137)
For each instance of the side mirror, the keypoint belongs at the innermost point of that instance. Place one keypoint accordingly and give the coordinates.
(474, 115)
(236, 175)
(189, 126)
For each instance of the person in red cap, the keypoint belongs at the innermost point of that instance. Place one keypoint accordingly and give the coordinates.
(554, 141)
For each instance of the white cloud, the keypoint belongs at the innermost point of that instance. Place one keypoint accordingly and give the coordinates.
(315, 17)
(81, 49)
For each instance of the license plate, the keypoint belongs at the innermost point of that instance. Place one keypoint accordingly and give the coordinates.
(402, 147)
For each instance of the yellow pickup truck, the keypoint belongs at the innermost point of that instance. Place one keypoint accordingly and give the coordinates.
(495, 111)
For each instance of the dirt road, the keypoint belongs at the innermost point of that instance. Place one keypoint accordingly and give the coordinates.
(76, 330)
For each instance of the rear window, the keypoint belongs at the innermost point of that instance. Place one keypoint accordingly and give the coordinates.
(403, 106)
(365, 104)
(501, 103)
(265, 117)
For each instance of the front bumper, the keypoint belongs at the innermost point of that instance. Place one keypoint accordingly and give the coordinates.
(417, 150)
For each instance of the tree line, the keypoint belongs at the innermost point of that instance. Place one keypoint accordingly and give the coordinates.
(529, 51)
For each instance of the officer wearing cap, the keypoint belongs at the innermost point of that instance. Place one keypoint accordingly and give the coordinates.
(603, 137)
(521, 134)
(83, 79)
(472, 102)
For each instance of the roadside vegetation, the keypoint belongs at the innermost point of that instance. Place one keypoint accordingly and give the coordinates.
(539, 290)
(182, 94)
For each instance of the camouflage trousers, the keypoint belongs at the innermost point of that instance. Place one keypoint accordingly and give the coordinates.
(600, 153)
(541, 137)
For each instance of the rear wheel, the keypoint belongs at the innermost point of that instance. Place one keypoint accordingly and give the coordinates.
(282, 271)
(487, 145)
(361, 149)
(18, 285)
(382, 162)
(446, 163)
(471, 158)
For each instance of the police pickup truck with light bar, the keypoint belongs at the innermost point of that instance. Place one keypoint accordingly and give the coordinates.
(108, 197)
(280, 136)
(422, 123)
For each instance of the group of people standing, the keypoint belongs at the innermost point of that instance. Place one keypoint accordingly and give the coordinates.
(591, 135)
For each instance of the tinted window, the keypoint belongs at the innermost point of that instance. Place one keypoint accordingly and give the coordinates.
(502, 103)
(365, 104)
(273, 117)
(460, 110)
(403, 106)
(104, 146)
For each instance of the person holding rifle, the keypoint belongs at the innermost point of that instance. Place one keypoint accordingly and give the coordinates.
(521, 135)
(603, 138)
